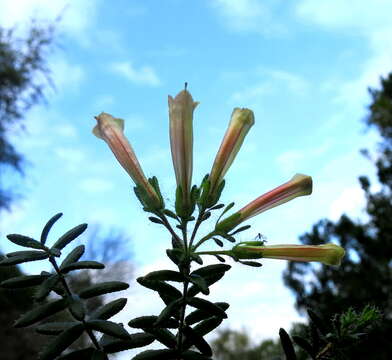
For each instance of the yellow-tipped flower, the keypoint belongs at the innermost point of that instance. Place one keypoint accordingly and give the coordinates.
(299, 185)
(328, 254)
(181, 140)
(111, 130)
(241, 122)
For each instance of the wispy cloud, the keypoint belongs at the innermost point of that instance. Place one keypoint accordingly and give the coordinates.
(249, 16)
(76, 16)
(95, 185)
(66, 76)
(272, 81)
(72, 158)
(357, 18)
(144, 75)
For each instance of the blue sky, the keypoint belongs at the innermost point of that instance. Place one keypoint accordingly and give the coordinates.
(302, 66)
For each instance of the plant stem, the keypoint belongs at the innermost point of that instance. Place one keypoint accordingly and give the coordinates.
(197, 224)
(69, 293)
(203, 239)
(185, 270)
(168, 226)
(216, 252)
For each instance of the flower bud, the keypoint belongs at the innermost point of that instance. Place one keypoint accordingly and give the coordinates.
(299, 185)
(241, 122)
(328, 254)
(181, 141)
(111, 130)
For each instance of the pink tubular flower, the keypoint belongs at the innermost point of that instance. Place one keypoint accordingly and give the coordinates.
(241, 122)
(181, 140)
(111, 130)
(328, 254)
(299, 185)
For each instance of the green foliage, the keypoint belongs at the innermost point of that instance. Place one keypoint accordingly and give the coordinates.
(233, 345)
(364, 276)
(64, 334)
(336, 338)
(23, 77)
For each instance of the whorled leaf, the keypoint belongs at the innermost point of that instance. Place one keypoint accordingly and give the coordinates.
(25, 241)
(54, 328)
(113, 345)
(48, 226)
(23, 281)
(76, 307)
(144, 322)
(69, 236)
(200, 283)
(24, 256)
(73, 256)
(206, 306)
(65, 339)
(108, 327)
(208, 325)
(287, 345)
(164, 336)
(82, 265)
(163, 354)
(46, 287)
(194, 338)
(103, 288)
(41, 312)
(160, 287)
(165, 275)
(199, 315)
(168, 311)
(105, 312)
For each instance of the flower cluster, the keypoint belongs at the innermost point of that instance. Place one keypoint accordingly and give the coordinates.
(181, 110)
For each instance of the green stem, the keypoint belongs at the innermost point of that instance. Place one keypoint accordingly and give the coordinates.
(69, 293)
(168, 226)
(198, 223)
(204, 239)
(217, 252)
(185, 271)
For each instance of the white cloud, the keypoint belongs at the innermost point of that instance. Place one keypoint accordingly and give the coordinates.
(249, 16)
(272, 81)
(291, 161)
(66, 130)
(372, 22)
(76, 16)
(66, 76)
(144, 75)
(358, 15)
(72, 158)
(94, 185)
(350, 201)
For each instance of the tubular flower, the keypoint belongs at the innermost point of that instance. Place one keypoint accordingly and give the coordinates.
(328, 254)
(181, 140)
(299, 185)
(241, 122)
(111, 130)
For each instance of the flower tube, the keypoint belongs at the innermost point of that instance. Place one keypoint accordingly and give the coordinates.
(328, 254)
(299, 185)
(111, 130)
(181, 141)
(241, 122)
